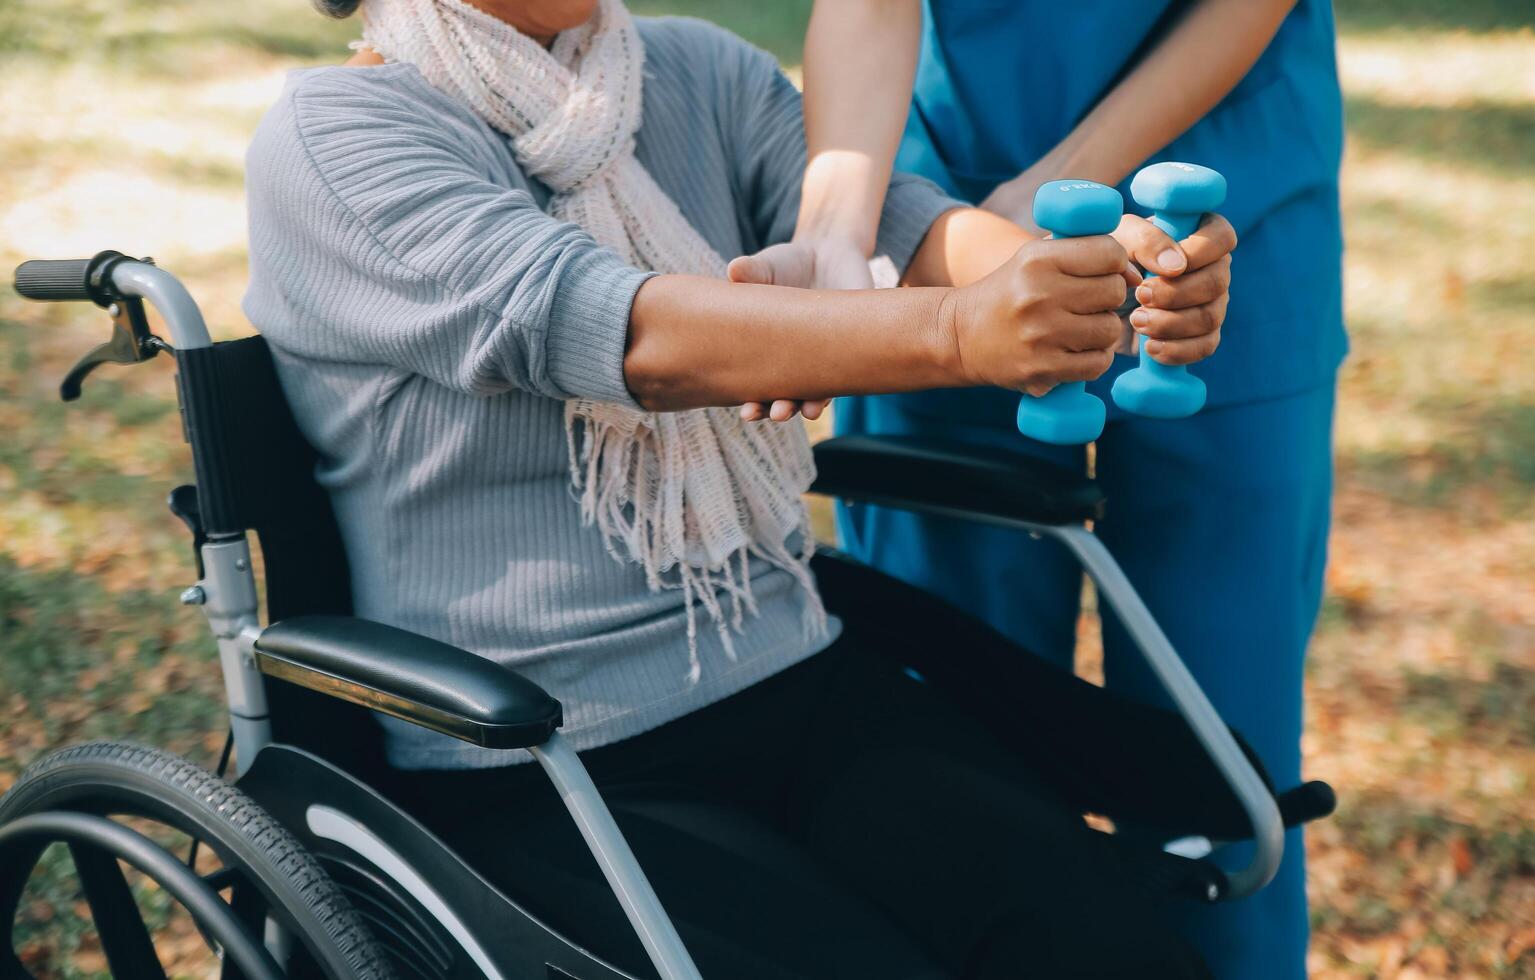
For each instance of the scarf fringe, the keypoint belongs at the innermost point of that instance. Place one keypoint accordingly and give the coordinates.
(617, 494)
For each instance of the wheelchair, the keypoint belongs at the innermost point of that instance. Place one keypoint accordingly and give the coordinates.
(319, 874)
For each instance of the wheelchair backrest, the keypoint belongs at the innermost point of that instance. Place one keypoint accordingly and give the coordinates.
(256, 472)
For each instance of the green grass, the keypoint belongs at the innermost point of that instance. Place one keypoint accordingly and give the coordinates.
(1493, 137)
(1420, 16)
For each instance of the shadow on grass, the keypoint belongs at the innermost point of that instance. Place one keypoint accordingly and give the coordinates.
(1504, 703)
(1396, 216)
(1503, 295)
(1493, 448)
(1494, 137)
(1416, 15)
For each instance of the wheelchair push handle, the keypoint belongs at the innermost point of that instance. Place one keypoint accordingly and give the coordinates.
(1178, 195)
(120, 285)
(1067, 415)
(57, 280)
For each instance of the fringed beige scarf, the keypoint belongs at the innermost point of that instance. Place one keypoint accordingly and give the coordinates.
(690, 496)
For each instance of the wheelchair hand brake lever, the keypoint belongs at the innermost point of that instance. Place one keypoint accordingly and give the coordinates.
(131, 343)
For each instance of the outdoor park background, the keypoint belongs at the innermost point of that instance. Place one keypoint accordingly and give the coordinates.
(123, 126)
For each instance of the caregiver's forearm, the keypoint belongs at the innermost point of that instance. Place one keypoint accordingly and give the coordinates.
(696, 342)
(1175, 86)
(964, 246)
(860, 59)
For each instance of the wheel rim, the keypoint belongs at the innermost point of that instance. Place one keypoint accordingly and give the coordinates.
(264, 871)
(97, 845)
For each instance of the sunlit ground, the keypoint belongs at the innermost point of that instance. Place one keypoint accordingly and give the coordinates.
(124, 124)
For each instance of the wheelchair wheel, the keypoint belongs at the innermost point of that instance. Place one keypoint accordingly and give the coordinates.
(265, 872)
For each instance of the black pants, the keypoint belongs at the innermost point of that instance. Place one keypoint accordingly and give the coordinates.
(843, 818)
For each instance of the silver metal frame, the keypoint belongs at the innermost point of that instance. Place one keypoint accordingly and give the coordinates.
(1255, 797)
(227, 593)
(618, 863)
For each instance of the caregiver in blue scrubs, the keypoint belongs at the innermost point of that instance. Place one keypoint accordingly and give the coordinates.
(1221, 519)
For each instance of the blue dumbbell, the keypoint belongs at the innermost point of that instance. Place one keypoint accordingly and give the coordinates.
(1178, 194)
(1067, 415)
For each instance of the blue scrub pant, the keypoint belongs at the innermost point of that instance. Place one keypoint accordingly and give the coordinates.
(1221, 522)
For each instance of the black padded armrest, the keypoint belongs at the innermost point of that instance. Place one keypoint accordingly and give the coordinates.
(954, 479)
(431, 684)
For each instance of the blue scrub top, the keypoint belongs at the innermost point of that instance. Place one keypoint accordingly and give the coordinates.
(1001, 82)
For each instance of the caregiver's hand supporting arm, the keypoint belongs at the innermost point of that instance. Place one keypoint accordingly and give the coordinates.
(1043, 318)
(860, 60)
(1173, 87)
(856, 99)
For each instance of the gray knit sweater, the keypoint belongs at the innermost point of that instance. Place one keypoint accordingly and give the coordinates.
(428, 319)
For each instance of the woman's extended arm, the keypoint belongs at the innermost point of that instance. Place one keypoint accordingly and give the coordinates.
(1045, 317)
(1182, 79)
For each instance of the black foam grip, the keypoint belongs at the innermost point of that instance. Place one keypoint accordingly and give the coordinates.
(54, 279)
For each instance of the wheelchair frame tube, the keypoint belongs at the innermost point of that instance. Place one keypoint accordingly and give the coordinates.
(608, 846)
(229, 601)
(228, 587)
(1256, 800)
(166, 293)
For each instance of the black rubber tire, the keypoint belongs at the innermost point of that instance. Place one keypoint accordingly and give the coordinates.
(118, 779)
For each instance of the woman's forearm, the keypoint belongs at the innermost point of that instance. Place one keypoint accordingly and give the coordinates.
(1046, 316)
(1176, 85)
(697, 342)
(860, 59)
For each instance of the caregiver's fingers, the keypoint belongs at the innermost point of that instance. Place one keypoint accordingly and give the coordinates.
(1151, 247)
(1183, 351)
(783, 410)
(1190, 289)
(1213, 239)
(1193, 321)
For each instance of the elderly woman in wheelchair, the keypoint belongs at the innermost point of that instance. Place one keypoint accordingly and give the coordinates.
(508, 514)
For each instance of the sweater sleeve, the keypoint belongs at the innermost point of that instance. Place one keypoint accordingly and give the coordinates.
(765, 130)
(385, 229)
